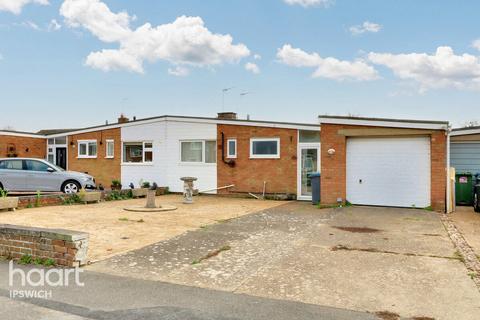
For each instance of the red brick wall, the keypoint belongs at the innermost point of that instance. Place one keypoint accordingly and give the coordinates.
(102, 169)
(248, 174)
(37, 147)
(333, 178)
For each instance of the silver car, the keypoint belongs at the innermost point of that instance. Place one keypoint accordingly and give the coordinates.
(24, 174)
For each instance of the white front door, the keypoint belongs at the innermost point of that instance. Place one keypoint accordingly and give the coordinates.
(389, 171)
(308, 162)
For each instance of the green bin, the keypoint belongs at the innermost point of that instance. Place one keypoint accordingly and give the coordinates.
(464, 189)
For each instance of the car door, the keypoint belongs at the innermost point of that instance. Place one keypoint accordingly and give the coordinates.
(12, 175)
(41, 176)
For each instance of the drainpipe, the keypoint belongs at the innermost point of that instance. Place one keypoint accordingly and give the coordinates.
(449, 187)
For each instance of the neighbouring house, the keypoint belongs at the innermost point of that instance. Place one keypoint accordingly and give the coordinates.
(465, 149)
(363, 161)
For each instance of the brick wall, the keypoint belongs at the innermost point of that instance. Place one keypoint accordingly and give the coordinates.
(67, 248)
(248, 174)
(24, 146)
(333, 178)
(102, 169)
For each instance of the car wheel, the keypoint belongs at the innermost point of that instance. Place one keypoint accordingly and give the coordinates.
(70, 187)
(476, 203)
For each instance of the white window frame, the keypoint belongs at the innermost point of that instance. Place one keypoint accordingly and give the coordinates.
(204, 150)
(87, 142)
(144, 149)
(108, 156)
(264, 156)
(234, 155)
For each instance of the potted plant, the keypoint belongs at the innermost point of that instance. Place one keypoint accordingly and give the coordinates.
(162, 190)
(91, 196)
(116, 185)
(139, 192)
(10, 203)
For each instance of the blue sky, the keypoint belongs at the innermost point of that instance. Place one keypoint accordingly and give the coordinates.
(335, 63)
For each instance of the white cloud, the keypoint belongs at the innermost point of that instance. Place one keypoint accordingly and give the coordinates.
(179, 71)
(440, 70)
(329, 67)
(28, 24)
(367, 26)
(252, 67)
(15, 6)
(54, 25)
(257, 57)
(476, 44)
(309, 3)
(186, 41)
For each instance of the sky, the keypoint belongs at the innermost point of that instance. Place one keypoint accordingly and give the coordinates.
(78, 63)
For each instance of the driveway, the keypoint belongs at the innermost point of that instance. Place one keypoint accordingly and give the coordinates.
(368, 259)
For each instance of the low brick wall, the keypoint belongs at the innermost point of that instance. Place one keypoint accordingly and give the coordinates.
(67, 248)
(44, 200)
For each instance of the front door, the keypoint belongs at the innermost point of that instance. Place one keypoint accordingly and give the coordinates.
(308, 162)
(61, 157)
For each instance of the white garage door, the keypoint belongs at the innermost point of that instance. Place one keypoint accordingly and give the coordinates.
(389, 171)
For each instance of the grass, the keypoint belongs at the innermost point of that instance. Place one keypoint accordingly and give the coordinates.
(127, 220)
(459, 256)
(123, 219)
(211, 254)
(28, 259)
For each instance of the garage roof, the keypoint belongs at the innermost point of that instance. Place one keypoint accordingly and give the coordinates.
(384, 122)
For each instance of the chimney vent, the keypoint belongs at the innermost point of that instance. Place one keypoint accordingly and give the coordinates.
(227, 115)
(123, 119)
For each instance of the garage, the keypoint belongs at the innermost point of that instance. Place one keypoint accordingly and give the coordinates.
(389, 171)
(384, 162)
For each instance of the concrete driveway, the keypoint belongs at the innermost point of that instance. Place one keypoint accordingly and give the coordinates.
(397, 261)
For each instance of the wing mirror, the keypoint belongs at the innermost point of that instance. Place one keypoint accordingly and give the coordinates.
(50, 170)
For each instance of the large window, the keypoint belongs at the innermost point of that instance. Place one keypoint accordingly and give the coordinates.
(231, 148)
(33, 165)
(110, 149)
(200, 151)
(11, 164)
(265, 148)
(137, 152)
(87, 148)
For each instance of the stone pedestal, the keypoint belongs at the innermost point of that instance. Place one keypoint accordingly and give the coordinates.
(188, 189)
(151, 199)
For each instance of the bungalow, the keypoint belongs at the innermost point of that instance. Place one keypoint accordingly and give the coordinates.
(362, 160)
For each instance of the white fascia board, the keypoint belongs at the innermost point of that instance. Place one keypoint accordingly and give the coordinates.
(465, 132)
(250, 123)
(385, 123)
(311, 127)
(19, 134)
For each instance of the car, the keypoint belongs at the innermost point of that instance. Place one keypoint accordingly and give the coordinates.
(28, 174)
(476, 198)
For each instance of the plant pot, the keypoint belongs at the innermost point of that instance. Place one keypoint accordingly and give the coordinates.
(139, 192)
(10, 203)
(93, 196)
(116, 187)
(162, 190)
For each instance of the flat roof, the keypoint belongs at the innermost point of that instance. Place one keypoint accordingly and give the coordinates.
(465, 131)
(385, 122)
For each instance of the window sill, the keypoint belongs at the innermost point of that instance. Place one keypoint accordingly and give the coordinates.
(141, 164)
(86, 157)
(265, 157)
(109, 157)
(196, 164)
(231, 157)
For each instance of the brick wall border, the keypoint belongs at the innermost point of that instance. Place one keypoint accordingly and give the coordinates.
(67, 248)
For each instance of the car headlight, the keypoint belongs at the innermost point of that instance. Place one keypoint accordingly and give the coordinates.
(87, 179)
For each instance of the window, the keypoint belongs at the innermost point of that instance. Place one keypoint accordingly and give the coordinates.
(231, 148)
(137, 152)
(33, 165)
(110, 149)
(210, 151)
(61, 140)
(266, 148)
(87, 148)
(309, 136)
(202, 151)
(11, 164)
